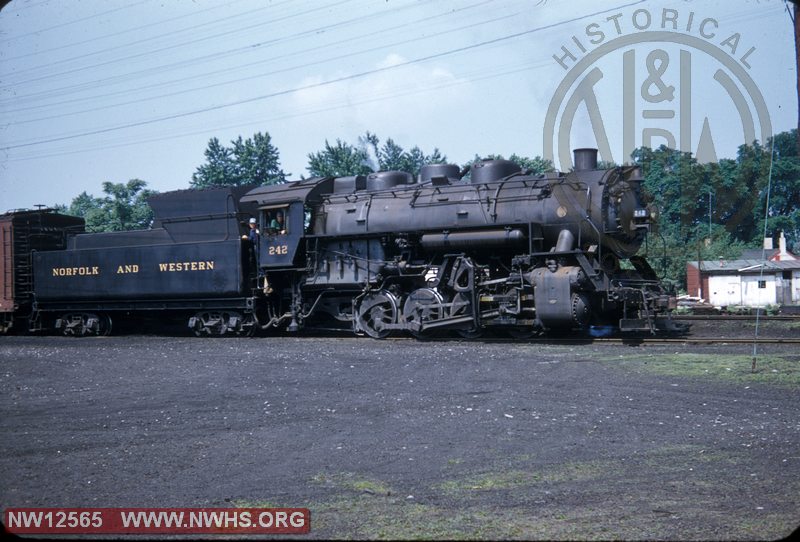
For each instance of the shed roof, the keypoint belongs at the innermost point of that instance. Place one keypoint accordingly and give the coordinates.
(755, 253)
(745, 266)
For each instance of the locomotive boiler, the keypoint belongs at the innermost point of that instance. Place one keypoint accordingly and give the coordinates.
(506, 249)
(491, 247)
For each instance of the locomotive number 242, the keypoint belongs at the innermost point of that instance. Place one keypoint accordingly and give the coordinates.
(278, 250)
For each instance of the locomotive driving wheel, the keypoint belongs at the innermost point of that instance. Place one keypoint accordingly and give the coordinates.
(375, 310)
(523, 333)
(423, 305)
(462, 306)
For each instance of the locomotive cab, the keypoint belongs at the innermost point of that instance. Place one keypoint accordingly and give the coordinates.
(281, 234)
(280, 246)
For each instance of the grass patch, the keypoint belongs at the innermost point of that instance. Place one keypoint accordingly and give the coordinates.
(395, 518)
(399, 519)
(352, 482)
(491, 481)
(738, 368)
(590, 500)
(241, 503)
(517, 478)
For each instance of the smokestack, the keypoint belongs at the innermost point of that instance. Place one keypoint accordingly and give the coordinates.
(585, 159)
(782, 244)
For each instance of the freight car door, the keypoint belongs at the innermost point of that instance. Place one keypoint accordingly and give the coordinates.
(281, 231)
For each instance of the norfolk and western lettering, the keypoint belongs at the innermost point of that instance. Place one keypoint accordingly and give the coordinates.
(163, 267)
(75, 271)
(207, 265)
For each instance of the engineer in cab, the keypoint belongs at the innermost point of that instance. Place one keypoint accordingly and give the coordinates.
(277, 224)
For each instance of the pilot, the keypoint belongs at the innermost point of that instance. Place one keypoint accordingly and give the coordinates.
(277, 223)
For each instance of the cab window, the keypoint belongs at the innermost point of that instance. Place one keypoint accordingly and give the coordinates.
(276, 221)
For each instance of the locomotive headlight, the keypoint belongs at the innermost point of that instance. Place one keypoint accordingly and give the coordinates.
(640, 213)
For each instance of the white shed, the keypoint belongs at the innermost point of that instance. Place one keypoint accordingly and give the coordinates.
(751, 283)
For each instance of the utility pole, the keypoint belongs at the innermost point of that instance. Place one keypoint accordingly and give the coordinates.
(796, 23)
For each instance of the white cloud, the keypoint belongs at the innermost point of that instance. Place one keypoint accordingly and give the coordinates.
(390, 101)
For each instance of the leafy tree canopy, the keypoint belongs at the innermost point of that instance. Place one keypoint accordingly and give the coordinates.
(534, 166)
(253, 161)
(343, 159)
(715, 210)
(339, 160)
(124, 207)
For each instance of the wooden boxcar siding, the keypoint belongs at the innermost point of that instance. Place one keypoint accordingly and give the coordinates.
(6, 265)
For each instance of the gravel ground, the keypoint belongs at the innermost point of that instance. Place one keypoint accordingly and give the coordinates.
(402, 438)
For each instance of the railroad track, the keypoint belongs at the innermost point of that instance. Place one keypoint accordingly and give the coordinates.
(618, 340)
(667, 340)
(748, 317)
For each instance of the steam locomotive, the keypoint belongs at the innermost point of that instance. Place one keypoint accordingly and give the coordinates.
(381, 253)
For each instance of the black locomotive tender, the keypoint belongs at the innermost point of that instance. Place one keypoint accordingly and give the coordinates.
(379, 253)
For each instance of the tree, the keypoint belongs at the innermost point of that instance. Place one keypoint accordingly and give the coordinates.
(344, 159)
(716, 210)
(219, 168)
(252, 161)
(340, 160)
(796, 25)
(413, 160)
(258, 161)
(127, 206)
(392, 157)
(123, 208)
(534, 166)
(675, 184)
(784, 200)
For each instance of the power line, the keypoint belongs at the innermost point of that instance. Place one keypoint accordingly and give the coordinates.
(283, 56)
(60, 25)
(18, 6)
(174, 46)
(278, 71)
(61, 47)
(343, 104)
(61, 91)
(313, 85)
(360, 36)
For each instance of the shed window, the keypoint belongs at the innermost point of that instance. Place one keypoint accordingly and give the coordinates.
(762, 283)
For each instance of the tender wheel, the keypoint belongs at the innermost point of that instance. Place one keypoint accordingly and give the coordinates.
(375, 310)
(248, 326)
(461, 306)
(6, 322)
(81, 324)
(105, 325)
(423, 305)
(206, 324)
(219, 323)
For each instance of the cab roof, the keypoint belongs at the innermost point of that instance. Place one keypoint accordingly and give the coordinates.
(306, 190)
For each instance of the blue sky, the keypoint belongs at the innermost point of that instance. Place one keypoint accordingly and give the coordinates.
(94, 91)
